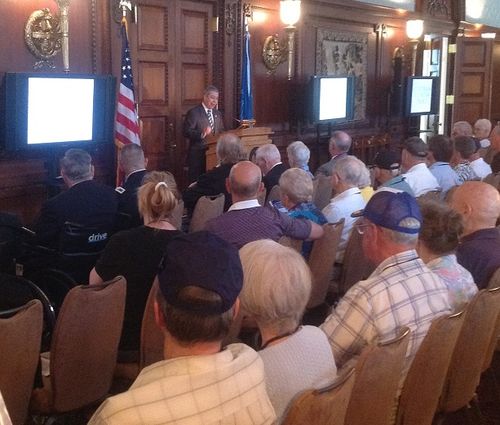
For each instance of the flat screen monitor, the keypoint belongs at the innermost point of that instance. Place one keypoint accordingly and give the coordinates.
(332, 98)
(44, 110)
(422, 96)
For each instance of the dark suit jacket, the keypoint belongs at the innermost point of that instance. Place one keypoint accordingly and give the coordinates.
(211, 183)
(197, 120)
(272, 178)
(127, 200)
(87, 203)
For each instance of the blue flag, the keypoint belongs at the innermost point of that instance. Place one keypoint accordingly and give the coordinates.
(246, 103)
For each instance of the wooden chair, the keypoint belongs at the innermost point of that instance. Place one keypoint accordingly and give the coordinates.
(321, 262)
(177, 213)
(84, 348)
(261, 196)
(274, 194)
(356, 266)
(378, 372)
(20, 338)
(470, 352)
(425, 379)
(206, 208)
(326, 406)
(291, 243)
(322, 191)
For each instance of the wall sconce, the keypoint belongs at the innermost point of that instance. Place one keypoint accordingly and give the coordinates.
(414, 30)
(45, 35)
(275, 52)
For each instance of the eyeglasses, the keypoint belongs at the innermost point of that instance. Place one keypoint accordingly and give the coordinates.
(360, 228)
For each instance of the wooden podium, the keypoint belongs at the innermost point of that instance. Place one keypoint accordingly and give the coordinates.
(250, 137)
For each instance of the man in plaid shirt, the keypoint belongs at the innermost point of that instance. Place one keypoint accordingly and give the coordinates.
(401, 291)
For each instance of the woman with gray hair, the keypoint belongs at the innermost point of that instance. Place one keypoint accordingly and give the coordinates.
(295, 357)
(298, 156)
(229, 151)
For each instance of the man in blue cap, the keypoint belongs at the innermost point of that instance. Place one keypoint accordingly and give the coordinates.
(401, 291)
(199, 382)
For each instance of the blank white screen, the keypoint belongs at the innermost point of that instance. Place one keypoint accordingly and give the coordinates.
(421, 96)
(332, 98)
(60, 109)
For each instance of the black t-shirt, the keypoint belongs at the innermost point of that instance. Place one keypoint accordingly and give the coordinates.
(134, 254)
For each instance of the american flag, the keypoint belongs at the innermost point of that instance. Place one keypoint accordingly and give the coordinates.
(126, 125)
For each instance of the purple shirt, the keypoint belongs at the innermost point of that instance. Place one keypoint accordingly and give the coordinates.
(479, 253)
(240, 226)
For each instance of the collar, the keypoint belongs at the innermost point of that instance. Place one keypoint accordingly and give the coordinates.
(336, 156)
(133, 172)
(490, 233)
(395, 260)
(347, 193)
(278, 163)
(207, 109)
(438, 164)
(416, 167)
(244, 205)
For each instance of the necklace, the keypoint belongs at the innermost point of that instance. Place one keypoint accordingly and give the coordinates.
(278, 337)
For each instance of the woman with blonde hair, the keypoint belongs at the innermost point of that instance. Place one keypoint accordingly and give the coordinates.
(276, 289)
(136, 253)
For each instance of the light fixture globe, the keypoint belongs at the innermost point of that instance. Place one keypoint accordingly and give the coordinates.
(414, 28)
(290, 12)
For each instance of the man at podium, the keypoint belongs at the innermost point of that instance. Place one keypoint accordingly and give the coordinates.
(201, 121)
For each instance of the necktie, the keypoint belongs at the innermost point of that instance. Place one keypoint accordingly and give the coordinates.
(210, 119)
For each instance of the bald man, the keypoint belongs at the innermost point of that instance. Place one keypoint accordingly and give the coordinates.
(338, 146)
(247, 221)
(479, 249)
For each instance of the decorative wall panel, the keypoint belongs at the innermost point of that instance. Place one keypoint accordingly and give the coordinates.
(153, 28)
(398, 4)
(153, 82)
(485, 12)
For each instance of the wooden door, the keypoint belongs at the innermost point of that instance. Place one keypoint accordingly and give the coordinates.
(472, 87)
(172, 49)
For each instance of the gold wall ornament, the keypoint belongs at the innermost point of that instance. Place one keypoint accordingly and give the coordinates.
(43, 37)
(273, 53)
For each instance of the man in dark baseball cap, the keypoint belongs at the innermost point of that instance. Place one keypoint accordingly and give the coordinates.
(386, 169)
(199, 381)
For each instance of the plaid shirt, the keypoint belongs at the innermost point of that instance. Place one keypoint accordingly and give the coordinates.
(223, 388)
(401, 291)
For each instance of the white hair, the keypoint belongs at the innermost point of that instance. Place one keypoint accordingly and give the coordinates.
(352, 171)
(268, 153)
(298, 154)
(297, 184)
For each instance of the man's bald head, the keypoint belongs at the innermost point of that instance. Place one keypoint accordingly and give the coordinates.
(479, 204)
(245, 179)
(340, 142)
(482, 128)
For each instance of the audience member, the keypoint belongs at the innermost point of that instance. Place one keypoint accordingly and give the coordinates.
(136, 253)
(477, 163)
(229, 151)
(495, 164)
(482, 130)
(345, 180)
(495, 144)
(437, 242)
(268, 159)
(479, 248)
(296, 358)
(401, 291)
(247, 220)
(86, 202)
(386, 172)
(461, 128)
(365, 185)
(416, 173)
(465, 147)
(296, 190)
(199, 381)
(298, 156)
(132, 164)
(338, 146)
(439, 157)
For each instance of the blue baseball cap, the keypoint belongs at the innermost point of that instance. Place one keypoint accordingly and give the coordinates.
(388, 208)
(204, 260)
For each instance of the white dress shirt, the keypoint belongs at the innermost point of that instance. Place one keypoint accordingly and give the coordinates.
(481, 168)
(421, 180)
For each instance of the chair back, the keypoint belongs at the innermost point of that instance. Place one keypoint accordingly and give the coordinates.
(326, 406)
(495, 337)
(176, 215)
(274, 194)
(356, 266)
(206, 208)
(20, 337)
(378, 372)
(493, 179)
(85, 344)
(287, 241)
(425, 379)
(321, 262)
(261, 196)
(471, 350)
(322, 191)
(151, 335)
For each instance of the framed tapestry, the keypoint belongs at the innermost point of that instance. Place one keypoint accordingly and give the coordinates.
(341, 54)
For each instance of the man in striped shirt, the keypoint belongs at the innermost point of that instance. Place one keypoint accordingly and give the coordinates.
(401, 291)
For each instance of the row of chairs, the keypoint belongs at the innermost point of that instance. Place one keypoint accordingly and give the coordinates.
(442, 378)
(82, 355)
